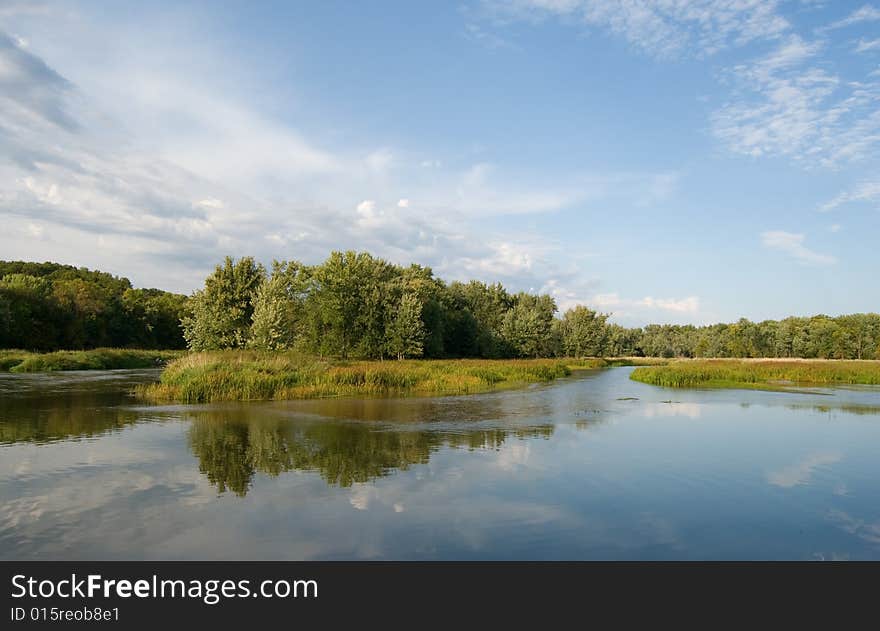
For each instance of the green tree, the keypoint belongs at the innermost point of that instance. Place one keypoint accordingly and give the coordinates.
(220, 315)
(528, 326)
(584, 332)
(278, 322)
(406, 333)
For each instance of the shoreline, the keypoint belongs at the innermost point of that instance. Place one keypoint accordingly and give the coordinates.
(18, 361)
(214, 376)
(778, 375)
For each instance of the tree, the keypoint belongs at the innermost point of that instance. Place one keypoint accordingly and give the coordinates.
(271, 328)
(220, 315)
(528, 326)
(407, 332)
(584, 332)
(278, 319)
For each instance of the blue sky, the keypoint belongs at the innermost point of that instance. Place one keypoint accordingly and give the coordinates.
(666, 161)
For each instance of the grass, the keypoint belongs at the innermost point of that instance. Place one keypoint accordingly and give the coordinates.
(763, 374)
(95, 359)
(250, 375)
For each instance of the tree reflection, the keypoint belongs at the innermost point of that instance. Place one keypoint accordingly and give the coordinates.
(41, 417)
(231, 449)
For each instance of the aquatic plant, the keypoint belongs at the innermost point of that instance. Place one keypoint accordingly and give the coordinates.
(249, 375)
(759, 373)
(95, 359)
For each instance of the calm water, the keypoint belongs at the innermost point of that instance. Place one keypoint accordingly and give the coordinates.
(590, 467)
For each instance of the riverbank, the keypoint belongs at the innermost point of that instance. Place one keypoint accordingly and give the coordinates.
(249, 375)
(762, 374)
(95, 359)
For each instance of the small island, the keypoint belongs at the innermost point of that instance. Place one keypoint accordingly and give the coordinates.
(358, 325)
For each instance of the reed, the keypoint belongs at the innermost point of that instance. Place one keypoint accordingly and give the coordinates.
(767, 374)
(251, 375)
(95, 359)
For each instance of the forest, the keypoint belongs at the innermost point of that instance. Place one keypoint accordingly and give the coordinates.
(48, 306)
(355, 305)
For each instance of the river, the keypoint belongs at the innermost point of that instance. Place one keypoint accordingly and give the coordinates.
(594, 466)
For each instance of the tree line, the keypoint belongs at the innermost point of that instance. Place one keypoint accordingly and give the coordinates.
(48, 306)
(357, 305)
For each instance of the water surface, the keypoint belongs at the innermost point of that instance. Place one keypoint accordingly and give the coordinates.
(590, 467)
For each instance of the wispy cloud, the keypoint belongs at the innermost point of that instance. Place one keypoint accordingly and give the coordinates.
(649, 308)
(663, 29)
(792, 244)
(867, 13)
(867, 45)
(786, 104)
(30, 86)
(864, 192)
(194, 173)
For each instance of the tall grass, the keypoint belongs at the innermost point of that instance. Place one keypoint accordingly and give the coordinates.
(95, 359)
(759, 373)
(250, 375)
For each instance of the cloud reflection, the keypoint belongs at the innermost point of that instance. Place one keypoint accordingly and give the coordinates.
(800, 472)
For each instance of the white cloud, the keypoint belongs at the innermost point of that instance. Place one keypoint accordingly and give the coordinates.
(648, 309)
(664, 29)
(169, 172)
(784, 106)
(793, 244)
(867, 13)
(209, 203)
(789, 103)
(379, 160)
(691, 304)
(866, 45)
(864, 192)
(505, 259)
(367, 208)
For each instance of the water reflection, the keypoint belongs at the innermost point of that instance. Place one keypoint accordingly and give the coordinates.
(231, 448)
(800, 472)
(43, 408)
(591, 467)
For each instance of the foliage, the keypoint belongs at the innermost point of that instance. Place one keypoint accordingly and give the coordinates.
(249, 375)
(527, 327)
(407, 332)
(95, 359)
(584, 332)
(277, 321)
(762, 373)
(355, 305)
(219, 316)
(47, 306)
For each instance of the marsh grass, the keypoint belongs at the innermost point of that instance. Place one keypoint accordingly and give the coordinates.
(250, 375)
(95, 359)
(762, 374)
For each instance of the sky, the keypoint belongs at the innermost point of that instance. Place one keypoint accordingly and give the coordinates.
(686, 161)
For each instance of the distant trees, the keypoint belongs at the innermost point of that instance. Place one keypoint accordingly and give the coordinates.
(47, 306)
(357, 305)
(854, 336)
